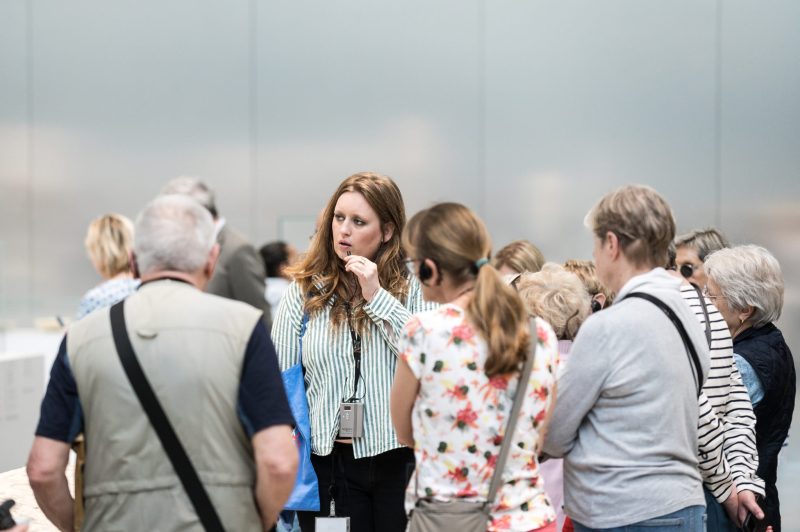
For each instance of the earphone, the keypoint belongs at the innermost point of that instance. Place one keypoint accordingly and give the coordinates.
(425, 271)
(596, 306)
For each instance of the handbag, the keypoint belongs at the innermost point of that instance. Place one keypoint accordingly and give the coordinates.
(461, 516)
(158, 419)
(305, 494)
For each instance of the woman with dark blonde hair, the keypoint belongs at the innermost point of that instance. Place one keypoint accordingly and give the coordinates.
(350, 298)
(459, 370)
(108, 242)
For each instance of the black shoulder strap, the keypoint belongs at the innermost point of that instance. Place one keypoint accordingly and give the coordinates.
(704, 306)
(698, 374)
(158, 418)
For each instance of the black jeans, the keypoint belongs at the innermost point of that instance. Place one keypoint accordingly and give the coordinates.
(371, 491)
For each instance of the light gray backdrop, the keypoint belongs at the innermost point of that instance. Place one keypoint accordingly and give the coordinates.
(528, 111)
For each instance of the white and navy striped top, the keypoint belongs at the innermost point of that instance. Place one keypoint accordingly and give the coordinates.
(728, 399)
(330, 366)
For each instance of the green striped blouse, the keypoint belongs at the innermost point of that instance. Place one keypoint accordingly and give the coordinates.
(330, 367)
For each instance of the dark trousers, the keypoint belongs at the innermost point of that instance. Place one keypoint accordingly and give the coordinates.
(371, 491)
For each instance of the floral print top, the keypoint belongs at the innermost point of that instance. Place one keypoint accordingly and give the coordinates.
(460, 416)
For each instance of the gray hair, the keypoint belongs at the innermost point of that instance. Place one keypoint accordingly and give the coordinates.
(173, 232)
(558, 297)
(748, 276)
(703, 241)
(195, 189)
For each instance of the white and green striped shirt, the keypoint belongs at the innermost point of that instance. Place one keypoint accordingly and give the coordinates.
(330, 367)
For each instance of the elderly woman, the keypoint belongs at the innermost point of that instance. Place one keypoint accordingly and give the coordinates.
(109, 240)
(692, 249)
(746, 285)
(626, 463)
(601, 297)
(559, 298)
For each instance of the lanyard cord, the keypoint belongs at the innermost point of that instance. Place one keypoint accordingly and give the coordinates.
(356, 339)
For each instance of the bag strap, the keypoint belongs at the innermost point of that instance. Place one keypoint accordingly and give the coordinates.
(158, 418)
(508, 437)
(698, 374)
(704, 306)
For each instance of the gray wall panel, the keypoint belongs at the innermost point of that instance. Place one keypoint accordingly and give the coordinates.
(14, 176)
(361, 86)
(124, 105)
(583, 97)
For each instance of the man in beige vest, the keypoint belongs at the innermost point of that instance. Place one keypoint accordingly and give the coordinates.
(213, 367)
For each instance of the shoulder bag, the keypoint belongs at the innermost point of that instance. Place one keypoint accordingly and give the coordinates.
(305, 495)
(461, 516)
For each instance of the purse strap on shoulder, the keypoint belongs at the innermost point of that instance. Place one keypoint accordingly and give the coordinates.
(697, 374)
(160, 422)
(508, 437)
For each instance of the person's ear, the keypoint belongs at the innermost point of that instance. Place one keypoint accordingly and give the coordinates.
(211, 261)
(746, 313)
(598, 302)
(611, 244)
(388, 231)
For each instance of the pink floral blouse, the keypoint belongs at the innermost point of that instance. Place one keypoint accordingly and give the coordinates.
(460, 415)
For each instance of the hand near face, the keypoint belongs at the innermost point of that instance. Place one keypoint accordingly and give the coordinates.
(366, 272)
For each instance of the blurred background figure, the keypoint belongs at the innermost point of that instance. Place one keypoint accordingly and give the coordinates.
(599, 295)
(239, 273)
(692, 248)
(559, 298)
(518, 257)
(459, 370)
(746, 285)
(108, 242)
(277, 256)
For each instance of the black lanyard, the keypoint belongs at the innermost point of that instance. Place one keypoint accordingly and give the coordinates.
(356, 339)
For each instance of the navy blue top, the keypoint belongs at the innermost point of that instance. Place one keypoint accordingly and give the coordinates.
(262, 400)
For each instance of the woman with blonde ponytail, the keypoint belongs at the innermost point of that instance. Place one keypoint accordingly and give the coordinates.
(458, 372)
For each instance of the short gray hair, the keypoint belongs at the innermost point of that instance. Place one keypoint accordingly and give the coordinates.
(748, 276)
(558, 297)
(703, 241)
(195, 189)
(173, 232)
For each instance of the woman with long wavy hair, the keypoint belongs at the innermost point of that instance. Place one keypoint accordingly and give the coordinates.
(350, 298)
(460, 368)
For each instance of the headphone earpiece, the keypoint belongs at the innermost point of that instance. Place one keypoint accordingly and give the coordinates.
(596, 306)
(425, 271)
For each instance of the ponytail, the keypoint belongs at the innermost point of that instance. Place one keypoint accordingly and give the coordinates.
(500, 316)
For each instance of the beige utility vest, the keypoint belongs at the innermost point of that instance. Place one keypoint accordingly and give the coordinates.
(191, 347)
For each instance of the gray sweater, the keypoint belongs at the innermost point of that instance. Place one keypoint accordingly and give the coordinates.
(626, 416)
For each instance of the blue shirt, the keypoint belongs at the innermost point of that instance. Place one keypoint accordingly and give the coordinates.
(262, 400)
(750, 379)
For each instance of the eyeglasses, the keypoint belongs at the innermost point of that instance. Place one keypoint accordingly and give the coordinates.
(712, 298)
